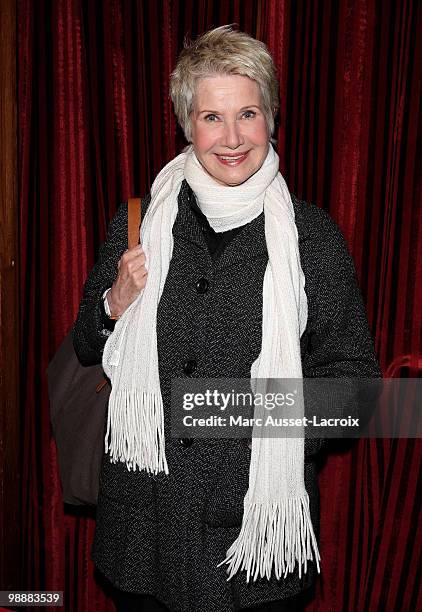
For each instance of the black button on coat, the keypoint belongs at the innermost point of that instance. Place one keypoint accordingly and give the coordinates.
(189, 366)
(186, 442)
(202, 285)
(165, 535)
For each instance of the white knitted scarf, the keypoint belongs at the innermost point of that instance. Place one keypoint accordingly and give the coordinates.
(276, 529)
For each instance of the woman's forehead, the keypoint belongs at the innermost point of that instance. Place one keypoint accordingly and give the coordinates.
(226, 90)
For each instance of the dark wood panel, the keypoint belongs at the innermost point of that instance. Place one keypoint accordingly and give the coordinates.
(9, 306)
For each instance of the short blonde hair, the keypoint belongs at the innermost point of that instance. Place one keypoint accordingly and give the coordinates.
(223, 51)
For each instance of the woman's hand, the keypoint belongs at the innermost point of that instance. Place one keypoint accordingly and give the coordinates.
(130, 281)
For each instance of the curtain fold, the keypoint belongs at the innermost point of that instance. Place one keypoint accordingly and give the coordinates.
(95, 127)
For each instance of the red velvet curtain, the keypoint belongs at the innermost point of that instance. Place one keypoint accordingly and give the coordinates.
(96, 125)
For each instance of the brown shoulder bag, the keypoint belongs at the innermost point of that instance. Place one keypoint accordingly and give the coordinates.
(78, 408)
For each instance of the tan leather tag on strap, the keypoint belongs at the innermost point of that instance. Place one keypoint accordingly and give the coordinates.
(101, 385)
(133, 221)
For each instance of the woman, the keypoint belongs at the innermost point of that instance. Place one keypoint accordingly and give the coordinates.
(235, 278)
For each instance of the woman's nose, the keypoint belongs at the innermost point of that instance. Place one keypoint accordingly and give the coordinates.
(232, 135)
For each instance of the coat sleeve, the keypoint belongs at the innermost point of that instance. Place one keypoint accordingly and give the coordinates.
(89, 331)
(338, 339)
(339, 342)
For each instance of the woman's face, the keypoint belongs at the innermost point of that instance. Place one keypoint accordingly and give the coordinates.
(229, 132)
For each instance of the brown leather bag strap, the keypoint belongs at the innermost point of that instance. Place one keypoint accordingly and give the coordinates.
(133, 221)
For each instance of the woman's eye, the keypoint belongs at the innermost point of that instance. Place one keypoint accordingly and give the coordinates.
(249, 114)
(211, 118)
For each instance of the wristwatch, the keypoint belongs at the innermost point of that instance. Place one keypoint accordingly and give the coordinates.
(108, 320)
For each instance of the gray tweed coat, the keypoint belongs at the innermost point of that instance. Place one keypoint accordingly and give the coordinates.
(165, 535)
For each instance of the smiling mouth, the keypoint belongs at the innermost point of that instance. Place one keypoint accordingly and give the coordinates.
(232, 160)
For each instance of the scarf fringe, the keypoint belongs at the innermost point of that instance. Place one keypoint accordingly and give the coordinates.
(135, 430)
(275, 533)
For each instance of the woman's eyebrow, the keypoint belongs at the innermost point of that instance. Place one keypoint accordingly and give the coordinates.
(250, 106)
(215, 112)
